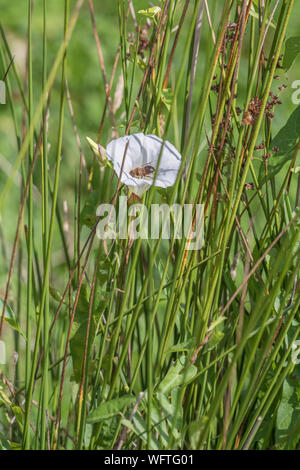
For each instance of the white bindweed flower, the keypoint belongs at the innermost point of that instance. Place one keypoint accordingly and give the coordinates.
(141, 160)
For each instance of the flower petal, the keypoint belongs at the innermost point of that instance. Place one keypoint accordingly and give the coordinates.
(139, 190)
(170, 158)
(144, 149)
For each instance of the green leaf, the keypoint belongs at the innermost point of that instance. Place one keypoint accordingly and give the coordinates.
(19, 415)
(167, 413)
(77, 347)
(288, 414)
(110, 408)
(78, 334)
(214, 340)
(134, 58)
(286, 141)
(15, 445)
(88, 214)
(292, 49)
(288, 136)
(108, 431)
(56, 294)
(178, 374)
(185, 346)
(11, 318)
(140, 428)
(194, 431)
(167, 98)
(4, 445)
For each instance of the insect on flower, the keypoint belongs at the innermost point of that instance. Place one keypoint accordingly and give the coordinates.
(143, 171)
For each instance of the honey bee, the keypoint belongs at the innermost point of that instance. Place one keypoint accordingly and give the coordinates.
(142, 171)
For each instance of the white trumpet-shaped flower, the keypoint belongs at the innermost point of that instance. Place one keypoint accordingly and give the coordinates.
(143, 152)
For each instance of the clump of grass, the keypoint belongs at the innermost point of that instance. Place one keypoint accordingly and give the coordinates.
(145, 344)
